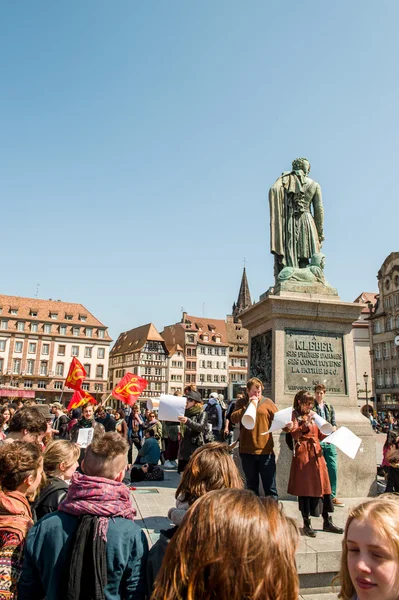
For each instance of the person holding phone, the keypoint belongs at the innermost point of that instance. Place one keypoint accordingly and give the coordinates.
(309, 478)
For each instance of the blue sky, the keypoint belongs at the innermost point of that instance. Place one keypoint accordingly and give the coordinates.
(139, 140)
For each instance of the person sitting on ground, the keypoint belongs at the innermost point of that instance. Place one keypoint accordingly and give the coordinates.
(60, 461)
(121, 425)
(221, 545)
(21, 467)
(193, 427)
(370, 551)
(27, 425)
(156, 425)
(90, 547)
(105, 419)
(150, 453)
(210, 468)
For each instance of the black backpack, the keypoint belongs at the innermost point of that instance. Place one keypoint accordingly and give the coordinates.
(289, 441)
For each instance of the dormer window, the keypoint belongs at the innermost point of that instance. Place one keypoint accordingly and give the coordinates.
(53, 315)
(82, 318)
(13, 311)
(217, 339)
(205, 337)
(68, 317)
(211, 327)
(33, 313)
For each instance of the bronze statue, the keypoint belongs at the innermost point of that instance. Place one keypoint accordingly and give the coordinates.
(295, 233)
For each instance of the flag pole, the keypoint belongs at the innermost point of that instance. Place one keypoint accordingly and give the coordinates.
(107, 398)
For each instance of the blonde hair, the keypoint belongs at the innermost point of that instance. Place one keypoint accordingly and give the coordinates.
(57, 452)
(383, 513)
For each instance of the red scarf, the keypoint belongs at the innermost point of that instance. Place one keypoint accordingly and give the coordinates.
(15, 513)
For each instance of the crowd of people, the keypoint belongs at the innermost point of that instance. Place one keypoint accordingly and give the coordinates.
(67, 526)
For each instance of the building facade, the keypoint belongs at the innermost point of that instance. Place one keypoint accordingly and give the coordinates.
(237, 338)
(141, 351)
(175, 370)
(385, 332)
(361, 332)
(38, 340)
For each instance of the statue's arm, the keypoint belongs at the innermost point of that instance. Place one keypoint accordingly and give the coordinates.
(318, 212)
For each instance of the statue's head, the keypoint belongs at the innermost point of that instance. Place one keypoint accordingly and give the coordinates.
(301, 164)
(318, 260)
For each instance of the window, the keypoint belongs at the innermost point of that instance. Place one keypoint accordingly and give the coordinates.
(33, 313)
(2, 345)
(202, 378)
(89, 331)
(59, 369)
(217, 364)
(34, 327)
(100, 352)
(1, 364)
(389, 324)
(85, 387)
(209, 364)
(101, 333)
(395, 376)
(30, 366)
(393, 349)
(20, 325)
(47, 328)
(158, 371)
(46, 349)
(190, 339)
(32, 348)
(18, 346)
(98, 387)
(13, 311)
(75, 351)
(209, 350)
(42, 385)
(188, 378)
(58, 385)
(68, 317)
(43, 367)
(216, 378)
(28, 383)
(243, 362)
(4, 324)
(387, 377)
(378, 352)
(87, 352)
(223, 378)
(377, 327)
(386, 350)
(63, 329)
(16, 366)
(223, 351)
(203, 364)
(209, 377)
(53, 315)
(87, 368)
(76, 331)
(61, 350)
(82, 318)
(99, 371)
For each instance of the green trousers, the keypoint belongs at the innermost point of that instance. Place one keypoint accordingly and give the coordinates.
(330, 455)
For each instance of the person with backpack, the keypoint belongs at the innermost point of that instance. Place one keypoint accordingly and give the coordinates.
(327, 412)
(215, 416)
(60, 423)
(193, 428)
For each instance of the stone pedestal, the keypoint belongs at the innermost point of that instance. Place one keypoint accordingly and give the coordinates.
(296, 341)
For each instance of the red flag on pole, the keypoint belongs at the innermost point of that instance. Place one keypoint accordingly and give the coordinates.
(76, 375)
(79, 398)
(129, 388)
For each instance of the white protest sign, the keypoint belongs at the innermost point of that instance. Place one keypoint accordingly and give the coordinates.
(171, 407)
(85, 436)
(345, 440)
(249, 417)
(325, 427)
(280, 420)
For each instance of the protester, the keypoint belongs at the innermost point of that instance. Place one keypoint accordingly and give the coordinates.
(27, 425)
(327, 412)
(236, 545)
(86, 421)
(193, 428)
(76, 413)
(150, 453)
(6, 414)
(215, 416)
(171, 432)
(256, 449)
(60, 424)
(90, 547)
(60, 461)
(392, 459)
(2, 434)
(121, 425)
(135, 431)
(229, 425)
(210, 468)
(370, 551)
(21, 467)
(309, 476)
(156, 426)
(105, 419)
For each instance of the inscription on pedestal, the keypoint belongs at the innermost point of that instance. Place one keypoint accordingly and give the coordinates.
(313, 357)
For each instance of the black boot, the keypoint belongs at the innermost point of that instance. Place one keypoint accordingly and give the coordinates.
(307, 528)
(329, 526)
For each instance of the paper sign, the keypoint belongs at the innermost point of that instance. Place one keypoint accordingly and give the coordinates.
(249, 417)
(345, 440)
(281, 418)
(325, 427)
(85, 436)
(153, 403)
(171, 407)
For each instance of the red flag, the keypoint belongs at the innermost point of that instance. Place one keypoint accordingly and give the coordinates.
(129, 388)
(76, 375)
(79, 398)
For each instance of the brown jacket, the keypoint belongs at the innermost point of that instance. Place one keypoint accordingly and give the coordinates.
(309, 475)
(252, 441)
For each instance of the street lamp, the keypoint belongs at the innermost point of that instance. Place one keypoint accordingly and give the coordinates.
(366, 378)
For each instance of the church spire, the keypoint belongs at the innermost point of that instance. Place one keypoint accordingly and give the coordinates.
(244, 297)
